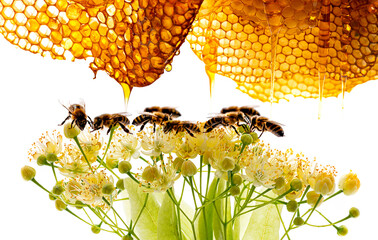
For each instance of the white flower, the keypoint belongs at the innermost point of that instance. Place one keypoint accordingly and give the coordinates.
(156, 143)
(124, 146)
(47, 144)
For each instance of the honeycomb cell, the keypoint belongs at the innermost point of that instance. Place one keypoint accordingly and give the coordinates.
(305, 36)
(131, 40)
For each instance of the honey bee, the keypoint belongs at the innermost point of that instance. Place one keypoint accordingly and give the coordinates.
(247, 110)
(155, 118)
(181, 126)
(111, 120)
(77, 113)
(264, 124)
(227, 119)
(167, 110)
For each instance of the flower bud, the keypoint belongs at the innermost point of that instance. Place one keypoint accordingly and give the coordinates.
(342, 230)
(124, 166)
(298, 221)
(28, 173)
(79, 204)
(246, 139)
(349, 183)
(237, 179)
(127, 237)
(313, 197)
(60, 205)
(52, 197)
(70, 130)
(324, 184)
(95, 229)
(41, 160)
(354, 212)
(58, 189)
(255, 137)
(120, 184)
(234, 190)
(188, 168)
(227, 164)
(296, 184)
(243, 128)
(280, 182)
(51, 157)
(292, 206)
(111, 163)
(150, 173)
(236, 168)
(108, 189)
(177, 163)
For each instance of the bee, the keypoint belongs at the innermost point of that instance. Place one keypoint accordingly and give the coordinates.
(181, 126)
(264, 124)
(77, 113)
(155, 118)
(110, 121)
(227, 119)
(247, 110)
(167, 110)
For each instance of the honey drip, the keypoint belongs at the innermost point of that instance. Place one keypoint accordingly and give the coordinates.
(209, 54)
(323, 45)
(126, 93)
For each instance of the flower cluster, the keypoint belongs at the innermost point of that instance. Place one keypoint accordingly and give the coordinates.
(219, 165)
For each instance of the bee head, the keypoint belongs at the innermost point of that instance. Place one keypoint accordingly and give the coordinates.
(81, 123)
(97, 123)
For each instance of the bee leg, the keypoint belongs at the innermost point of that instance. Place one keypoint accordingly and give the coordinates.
(90, 122)
(154, 127)
(124, 128)
(262, 131)
(190, 133)
(142, 126)
(235, 129)
(65, 120)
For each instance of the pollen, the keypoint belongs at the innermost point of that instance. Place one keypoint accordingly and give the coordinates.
(133, 41)
(297, 40)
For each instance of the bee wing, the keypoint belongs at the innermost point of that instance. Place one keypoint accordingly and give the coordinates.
(64, 104)
(125, 114)
(277, 123)
(211, 115)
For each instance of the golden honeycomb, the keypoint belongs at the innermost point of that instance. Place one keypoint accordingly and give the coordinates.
(132, 40)
(314, 48)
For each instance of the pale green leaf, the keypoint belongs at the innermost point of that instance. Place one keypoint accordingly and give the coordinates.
(146, 226)
(186, 226)
(264, 223)
(167, 220)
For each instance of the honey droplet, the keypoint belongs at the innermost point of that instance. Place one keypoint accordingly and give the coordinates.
(177, 52)
(168, 67)
(211, 76)
(126, 93)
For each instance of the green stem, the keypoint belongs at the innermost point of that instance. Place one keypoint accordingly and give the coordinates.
(312, 210)
(82, 152)
(53, 169)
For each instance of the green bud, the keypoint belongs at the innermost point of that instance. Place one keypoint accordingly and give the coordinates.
(60, 205)
(296, 184)
(28, 173)
(188, 168)
(246, 139)
(342, 230)
(292, 206)
(58, 189)
(280, 182)
(177, 163)
(120, 184)
(108, 189)
(354, 212)
(79, 204)
(150, 173)
(255, 137)
(51, 157)
(227, 164)
(236, 168)
(241, 129)
(234, 190)
(111, 163)
(95, 229)
(124, 166)
(41, 160)
(52, 197)
(298, 221)
(237, 179)
(70, 130)
(127, 237)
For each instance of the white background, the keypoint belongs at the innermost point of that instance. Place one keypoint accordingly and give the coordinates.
(31, 87)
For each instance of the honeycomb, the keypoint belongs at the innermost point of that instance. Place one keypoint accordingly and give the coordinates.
(314, 48)
(132, 40)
